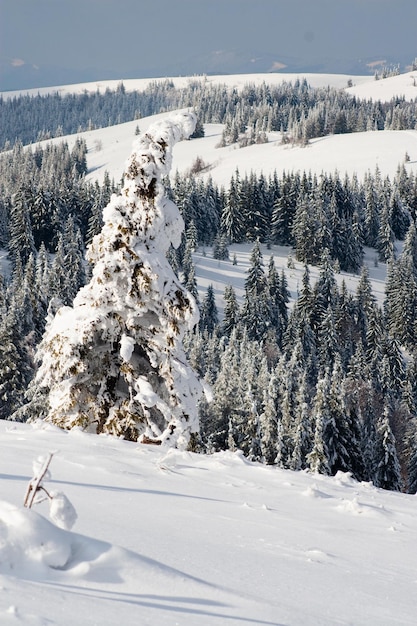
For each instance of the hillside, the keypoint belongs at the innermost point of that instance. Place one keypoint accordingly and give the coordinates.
(358, 153)
(166, 537)
(235, 80)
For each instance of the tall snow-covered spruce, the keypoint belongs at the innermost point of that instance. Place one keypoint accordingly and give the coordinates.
(113, 362)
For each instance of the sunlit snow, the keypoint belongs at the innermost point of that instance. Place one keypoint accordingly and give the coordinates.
(170, 537)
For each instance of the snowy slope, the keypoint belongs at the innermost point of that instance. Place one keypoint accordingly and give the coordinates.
(219, 274)
(231, 80)
(403, 85)
(168, 537)
(360, 153)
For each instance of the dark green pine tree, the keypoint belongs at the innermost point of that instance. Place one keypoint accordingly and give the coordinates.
(284, 211)
(41, 282)
(16, 370)
(17, 339)
(410, 245)
(278, 302)
(220, 249)
(20, 298)
(412, 463)
(335, 431)
(325, 292)
(21, 242)
(187, 263)
(74, 259)
(58, 273)
(231, 315)
(259, 210)
(79, 156)
(191, 236)
(351, 256)
(371, 213)
(401, 300)
(303, 435)
(345, 324)
(222, 417)
(399, 215)
(365, 302)
(305, 302)
(344, 433)
(256, 308)
(95, 218)
(284, 297)
(191, 285)
(209, 318)
(304, 231)
(327, 340)
(41, 215)
(388, 471)
(385, 243)
(269, 419)
(318, 458)
(254, 381)
(233, 224)
(199, 130)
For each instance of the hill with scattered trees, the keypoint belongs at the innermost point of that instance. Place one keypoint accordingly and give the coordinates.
(324, 381)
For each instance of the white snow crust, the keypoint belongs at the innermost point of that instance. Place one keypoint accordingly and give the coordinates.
(171, 537)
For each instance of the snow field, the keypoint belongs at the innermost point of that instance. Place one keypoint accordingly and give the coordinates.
(171, 537)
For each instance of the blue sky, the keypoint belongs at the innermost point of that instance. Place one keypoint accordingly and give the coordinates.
(134, 37)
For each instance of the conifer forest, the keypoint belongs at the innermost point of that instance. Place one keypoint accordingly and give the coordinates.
(326, 383)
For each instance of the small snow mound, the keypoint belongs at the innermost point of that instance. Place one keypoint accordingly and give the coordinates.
(351, 506)
(61, 511)
(346, 479)
(175, 458)
(29, 543)
(314, 492)
(315, 555)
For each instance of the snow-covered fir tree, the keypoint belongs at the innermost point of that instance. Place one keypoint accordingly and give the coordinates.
(114, 362)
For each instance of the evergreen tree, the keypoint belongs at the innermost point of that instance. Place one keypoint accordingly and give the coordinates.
(284, 211)
(16, 369)
(412, 464)
(208, 312)
(21, 242)
(386, 237)
(256, 308)
(222, 417)
(303, 436)
(388, 471)
(191, 236)
(231, 311)
(220, 250)
(318, 458)
(269, 419)
(233, 218)
(113, 362)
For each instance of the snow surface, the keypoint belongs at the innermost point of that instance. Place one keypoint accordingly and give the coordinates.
(174, 538)
(219, 273)
(355, 153)
(403, 85)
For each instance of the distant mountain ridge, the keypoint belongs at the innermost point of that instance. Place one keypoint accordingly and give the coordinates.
(25, 75)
